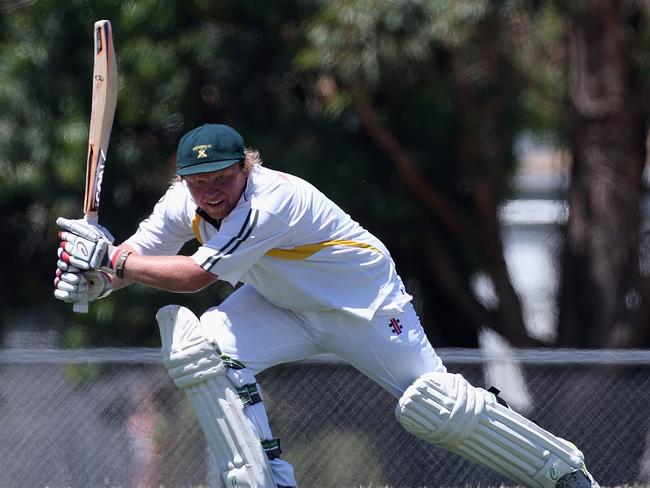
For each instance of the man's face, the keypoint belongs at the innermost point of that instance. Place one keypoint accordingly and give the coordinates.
(219, 191)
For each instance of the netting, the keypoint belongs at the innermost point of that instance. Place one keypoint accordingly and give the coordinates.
(114, 418)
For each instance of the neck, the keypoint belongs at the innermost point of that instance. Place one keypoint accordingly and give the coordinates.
(204, 215)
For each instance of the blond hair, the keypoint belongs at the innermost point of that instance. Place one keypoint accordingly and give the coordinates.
(251, 159)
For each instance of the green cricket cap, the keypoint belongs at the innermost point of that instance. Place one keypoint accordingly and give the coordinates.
(207, 148)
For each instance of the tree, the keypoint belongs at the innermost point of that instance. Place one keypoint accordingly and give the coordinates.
(180, 64)
(450, 60)
(404, 112)
(603, 302)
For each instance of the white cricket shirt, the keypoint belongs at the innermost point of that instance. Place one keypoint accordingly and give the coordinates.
(288, 241)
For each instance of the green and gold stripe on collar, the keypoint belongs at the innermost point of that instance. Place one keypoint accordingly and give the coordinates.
(196, 228)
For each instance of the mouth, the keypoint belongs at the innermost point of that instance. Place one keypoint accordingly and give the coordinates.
(215, 203)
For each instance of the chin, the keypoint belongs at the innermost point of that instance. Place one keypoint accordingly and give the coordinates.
(218, 215)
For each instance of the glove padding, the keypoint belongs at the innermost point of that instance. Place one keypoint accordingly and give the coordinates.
(85, 246)
(81, 286)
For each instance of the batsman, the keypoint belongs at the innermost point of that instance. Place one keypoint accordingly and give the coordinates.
(313, 281)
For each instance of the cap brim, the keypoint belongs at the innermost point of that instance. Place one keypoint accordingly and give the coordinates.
(206, 167)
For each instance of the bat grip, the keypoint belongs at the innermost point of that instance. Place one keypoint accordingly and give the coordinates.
(81, 306)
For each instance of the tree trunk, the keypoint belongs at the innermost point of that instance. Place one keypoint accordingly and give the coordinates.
(485, 153)
(507, 319)
(600, 294)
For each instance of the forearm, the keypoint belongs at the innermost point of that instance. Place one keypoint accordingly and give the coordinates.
(119, 283)
(178, 274)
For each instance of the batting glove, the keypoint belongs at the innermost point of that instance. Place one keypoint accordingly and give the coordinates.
(77, 286)
(86, 246)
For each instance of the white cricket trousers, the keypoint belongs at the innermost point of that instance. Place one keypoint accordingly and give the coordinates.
(392, 350)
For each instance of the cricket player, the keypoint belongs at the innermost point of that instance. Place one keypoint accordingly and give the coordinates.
(314, 281)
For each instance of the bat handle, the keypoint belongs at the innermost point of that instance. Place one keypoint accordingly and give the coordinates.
(80, 307)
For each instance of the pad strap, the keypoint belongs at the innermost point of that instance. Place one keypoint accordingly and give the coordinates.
(231, 363)
(272, 449)
(249, 395)
(495, 391)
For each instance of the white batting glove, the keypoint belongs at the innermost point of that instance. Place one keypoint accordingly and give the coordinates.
(87, 286)
(85, 246)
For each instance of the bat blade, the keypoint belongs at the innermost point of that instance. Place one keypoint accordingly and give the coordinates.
(101, 122)
(101, 117)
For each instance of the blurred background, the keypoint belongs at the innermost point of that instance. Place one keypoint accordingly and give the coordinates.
(497, 148)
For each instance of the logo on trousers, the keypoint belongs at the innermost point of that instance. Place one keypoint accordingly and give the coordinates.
(395, 326)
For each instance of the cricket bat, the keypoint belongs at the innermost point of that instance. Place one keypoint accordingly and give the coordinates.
(101, 121)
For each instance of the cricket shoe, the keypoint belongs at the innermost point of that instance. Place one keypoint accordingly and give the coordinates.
(577, 479)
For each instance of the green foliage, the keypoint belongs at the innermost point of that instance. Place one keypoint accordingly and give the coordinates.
(287, 75)
(453, 85)
(180, 64)
(543, 61)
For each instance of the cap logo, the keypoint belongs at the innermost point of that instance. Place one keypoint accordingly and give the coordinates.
(200, 150)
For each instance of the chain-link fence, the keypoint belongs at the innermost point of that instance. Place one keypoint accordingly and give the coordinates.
(114, 418)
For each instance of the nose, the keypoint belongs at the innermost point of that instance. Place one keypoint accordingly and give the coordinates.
(212, 190)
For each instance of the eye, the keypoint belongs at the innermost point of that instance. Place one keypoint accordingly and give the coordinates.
(196, 182)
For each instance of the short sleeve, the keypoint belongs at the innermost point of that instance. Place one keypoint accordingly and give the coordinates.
(168, 227)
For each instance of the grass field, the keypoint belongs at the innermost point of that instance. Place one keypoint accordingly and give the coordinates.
(512, 486)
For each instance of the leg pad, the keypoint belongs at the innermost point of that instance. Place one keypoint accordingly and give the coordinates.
(195, 366)
(444, 409)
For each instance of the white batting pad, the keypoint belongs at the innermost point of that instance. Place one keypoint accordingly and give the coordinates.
(195, 365)
(444, 409)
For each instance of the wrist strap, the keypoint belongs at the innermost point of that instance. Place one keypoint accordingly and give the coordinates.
(119, 264)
